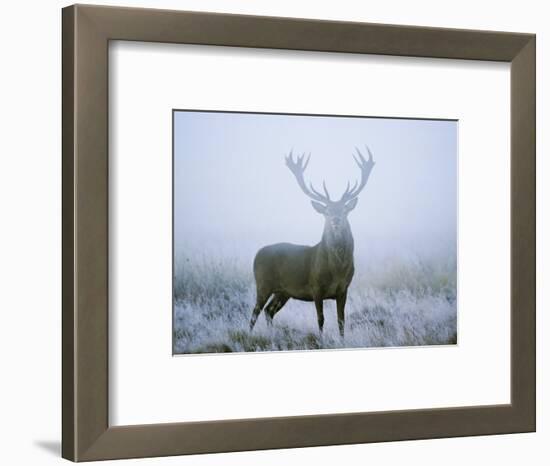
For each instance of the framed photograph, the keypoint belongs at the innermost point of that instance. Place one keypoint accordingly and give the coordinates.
(390, 273)
(284, 233)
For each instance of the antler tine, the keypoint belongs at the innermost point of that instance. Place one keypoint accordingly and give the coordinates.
(370, 154)
(361, 158)
(313, 190)
(307, 161)
(365, 167)
(326, 190)
(297, 168)
(289, 158)
(317, 193)
(348, 190)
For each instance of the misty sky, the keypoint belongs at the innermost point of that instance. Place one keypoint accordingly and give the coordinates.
(233, 192)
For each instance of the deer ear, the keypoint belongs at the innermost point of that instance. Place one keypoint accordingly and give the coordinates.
(351, 204)
(319, 207)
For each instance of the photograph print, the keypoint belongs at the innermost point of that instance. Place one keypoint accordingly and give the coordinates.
(300, 232)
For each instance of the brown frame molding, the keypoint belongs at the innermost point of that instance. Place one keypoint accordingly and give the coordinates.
(86, 33)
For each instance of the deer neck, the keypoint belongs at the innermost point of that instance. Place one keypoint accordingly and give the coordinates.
(338, 244)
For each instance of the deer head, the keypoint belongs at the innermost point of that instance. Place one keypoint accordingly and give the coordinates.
(335, 212)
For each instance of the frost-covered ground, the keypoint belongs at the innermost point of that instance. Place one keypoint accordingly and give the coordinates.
(390, 303)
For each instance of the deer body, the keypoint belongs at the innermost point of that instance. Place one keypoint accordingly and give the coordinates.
(305, 272)
(311, 273)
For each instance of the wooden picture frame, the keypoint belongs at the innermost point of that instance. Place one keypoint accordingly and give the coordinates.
(87, 31)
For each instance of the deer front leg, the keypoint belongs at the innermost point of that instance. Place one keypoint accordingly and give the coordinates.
(340, 307)
(320, 315)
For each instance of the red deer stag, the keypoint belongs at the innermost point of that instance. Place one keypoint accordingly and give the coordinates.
(312, 273)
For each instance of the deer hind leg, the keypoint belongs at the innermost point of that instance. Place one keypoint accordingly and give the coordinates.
(274, 306)
(261, 299)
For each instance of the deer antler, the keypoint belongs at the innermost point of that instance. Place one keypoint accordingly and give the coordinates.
(297, 168)
(366, 167)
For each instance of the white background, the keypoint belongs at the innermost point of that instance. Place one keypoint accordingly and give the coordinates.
(30, 246)
(148, 385)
